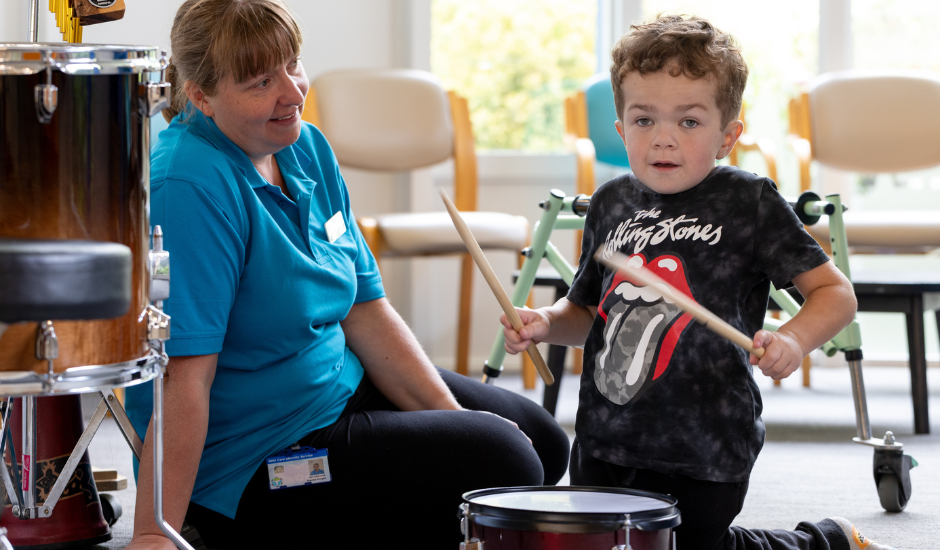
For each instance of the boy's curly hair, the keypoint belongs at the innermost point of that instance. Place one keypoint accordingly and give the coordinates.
(695, 47)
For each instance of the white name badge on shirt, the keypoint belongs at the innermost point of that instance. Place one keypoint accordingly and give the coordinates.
(335, 227)
(298, 466)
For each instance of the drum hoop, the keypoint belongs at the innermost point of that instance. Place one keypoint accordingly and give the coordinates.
(96, 59)
(487, 515)
(83, 379)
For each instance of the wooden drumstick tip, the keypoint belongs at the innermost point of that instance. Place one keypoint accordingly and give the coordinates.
(473, 247)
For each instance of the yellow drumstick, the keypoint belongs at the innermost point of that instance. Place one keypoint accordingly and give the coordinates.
(497, 288)
(619, 262)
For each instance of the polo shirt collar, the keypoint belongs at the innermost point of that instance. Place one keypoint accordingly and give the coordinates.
(208, 129)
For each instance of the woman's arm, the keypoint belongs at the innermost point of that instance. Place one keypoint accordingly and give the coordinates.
(186, 420)
(394, 360)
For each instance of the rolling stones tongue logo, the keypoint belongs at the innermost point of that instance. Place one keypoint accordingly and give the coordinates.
(641, 332)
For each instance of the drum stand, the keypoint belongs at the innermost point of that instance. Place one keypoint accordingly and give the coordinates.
(21, 489)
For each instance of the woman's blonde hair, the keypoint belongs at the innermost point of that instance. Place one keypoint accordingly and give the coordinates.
(214, 38)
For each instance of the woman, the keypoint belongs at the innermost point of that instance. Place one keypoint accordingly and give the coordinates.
(282, 336)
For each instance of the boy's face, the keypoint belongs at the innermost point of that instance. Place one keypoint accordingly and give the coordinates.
(671, 127)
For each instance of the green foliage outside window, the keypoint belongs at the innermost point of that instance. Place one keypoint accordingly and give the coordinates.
(515, 61)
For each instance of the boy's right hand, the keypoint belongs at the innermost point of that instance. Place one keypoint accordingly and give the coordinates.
(535, 328)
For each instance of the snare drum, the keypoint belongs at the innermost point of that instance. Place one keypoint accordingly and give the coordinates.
(74, 164)
(587, 518)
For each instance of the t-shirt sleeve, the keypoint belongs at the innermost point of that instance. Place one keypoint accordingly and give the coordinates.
(783, 248)
(206, 258)
(585, 288)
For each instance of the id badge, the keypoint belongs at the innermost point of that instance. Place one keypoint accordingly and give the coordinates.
(335, 227)
(298, 466)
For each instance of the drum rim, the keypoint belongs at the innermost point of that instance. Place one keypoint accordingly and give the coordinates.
(666, 517)
(74, 59)
(83, 379)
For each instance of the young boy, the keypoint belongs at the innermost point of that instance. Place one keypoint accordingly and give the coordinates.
(666, 405)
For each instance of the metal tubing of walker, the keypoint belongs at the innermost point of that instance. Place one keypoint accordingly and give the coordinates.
(158, 466)
(526, 278)
(29, 457)
(861, 406)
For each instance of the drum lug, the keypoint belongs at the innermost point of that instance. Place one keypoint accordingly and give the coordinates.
(159, 269)
(158, 324)
(47, 344)
(46, 97)
(153, 97)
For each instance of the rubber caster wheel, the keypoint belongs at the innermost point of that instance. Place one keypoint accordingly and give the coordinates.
(889, 492)
(110, 508)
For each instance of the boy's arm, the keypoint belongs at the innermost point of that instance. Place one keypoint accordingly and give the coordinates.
(829, 305)
(563, 323)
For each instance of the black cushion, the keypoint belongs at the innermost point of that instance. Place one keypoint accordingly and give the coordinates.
(63, 279)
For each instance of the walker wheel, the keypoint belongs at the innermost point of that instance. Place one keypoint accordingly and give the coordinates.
(890, 494)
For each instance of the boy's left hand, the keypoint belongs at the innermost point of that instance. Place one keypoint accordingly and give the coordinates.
(782, 354)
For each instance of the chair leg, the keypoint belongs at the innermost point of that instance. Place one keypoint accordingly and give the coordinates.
(463, 322)
(805, 366)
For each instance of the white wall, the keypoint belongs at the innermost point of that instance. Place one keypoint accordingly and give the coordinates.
(374, 33)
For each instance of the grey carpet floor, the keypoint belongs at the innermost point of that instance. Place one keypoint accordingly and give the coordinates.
(809, 468)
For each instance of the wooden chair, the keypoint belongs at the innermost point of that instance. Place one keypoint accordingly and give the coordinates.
(395, 120)
(874, 122)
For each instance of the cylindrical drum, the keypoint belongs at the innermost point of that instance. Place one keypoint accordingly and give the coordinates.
(73, 165)
(587, 518)
(77, 520)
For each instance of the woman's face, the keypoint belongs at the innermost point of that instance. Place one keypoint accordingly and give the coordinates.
(262, 114)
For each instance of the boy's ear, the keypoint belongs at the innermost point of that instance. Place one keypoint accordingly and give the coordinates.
(729, 138)
(619, 126)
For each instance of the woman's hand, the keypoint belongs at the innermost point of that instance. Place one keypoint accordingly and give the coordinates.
(510, 421)
(535, 327)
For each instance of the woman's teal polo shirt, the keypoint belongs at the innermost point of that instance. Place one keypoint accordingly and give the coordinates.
(255, 278)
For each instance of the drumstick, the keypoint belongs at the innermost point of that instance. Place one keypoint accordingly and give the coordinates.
(497, 288)
(619, 262)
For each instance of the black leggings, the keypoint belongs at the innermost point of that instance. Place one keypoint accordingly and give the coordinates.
(707, 509)
(397, 476)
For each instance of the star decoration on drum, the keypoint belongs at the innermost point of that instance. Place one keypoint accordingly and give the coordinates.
(72, 15)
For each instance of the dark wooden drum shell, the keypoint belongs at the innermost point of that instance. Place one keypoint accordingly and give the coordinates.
(80, 176)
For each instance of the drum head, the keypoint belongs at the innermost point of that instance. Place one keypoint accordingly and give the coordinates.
(571, 509)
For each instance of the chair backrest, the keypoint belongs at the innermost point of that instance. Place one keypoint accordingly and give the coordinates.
(395, 120)
(386, 119)
(601, 114)
(885, 121)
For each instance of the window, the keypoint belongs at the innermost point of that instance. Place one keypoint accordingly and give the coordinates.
(896, 34)
(514, 61)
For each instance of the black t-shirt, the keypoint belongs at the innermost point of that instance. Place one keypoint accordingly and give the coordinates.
(660, 391)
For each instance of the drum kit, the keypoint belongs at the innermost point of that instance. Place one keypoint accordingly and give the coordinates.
(81, 289)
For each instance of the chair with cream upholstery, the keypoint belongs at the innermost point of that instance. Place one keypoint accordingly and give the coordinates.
(874, 122)
(397, 120)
